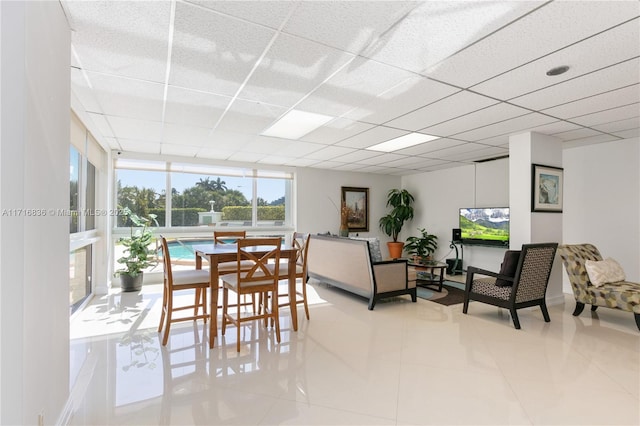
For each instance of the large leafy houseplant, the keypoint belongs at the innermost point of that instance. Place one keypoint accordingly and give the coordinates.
(137, 253)
(401, 203)
(422, 247)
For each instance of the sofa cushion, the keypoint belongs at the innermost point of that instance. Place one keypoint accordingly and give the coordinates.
(604, 271)
(374, 248)
(508, 267)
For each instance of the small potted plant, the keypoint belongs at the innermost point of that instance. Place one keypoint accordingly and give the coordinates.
(401, 202)
(137, 253)
(422, 247)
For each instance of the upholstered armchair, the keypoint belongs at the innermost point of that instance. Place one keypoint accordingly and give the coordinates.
(623, 295)
(522, 287)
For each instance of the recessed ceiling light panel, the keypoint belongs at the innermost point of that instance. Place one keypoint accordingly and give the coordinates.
(295, 124)
(401, 142)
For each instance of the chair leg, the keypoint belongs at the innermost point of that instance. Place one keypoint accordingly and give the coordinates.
(167, 327)
(593, 308)
(514, 317)
(637, 317)
(275, 315)
(225, 306)
(304, 298)
(465, 304)
(578, 310)
(238, 325)
(164, 307)
(545, 312)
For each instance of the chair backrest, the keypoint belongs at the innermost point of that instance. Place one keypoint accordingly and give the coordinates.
(260, 270)
(223, 237)
(574, 258)
(301, 242)
(166, 261)
(534, 269)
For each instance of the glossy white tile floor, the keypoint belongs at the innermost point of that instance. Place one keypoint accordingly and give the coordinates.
(402, 364)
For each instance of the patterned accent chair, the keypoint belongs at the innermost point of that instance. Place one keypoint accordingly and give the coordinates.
(528, 288)
(622, 295)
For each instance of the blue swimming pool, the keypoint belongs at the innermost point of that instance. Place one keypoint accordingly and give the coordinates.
(183, 249)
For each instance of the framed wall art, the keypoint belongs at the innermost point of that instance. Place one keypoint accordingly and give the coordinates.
(355, 205)
(546, 189)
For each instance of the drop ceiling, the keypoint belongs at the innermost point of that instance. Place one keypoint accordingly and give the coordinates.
(205, 79)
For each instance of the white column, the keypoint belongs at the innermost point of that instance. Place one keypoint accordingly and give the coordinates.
(526, 226)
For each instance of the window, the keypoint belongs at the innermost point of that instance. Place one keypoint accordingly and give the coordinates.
(191, 195)
(80, 271)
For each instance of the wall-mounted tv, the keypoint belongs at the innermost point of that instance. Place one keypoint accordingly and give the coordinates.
(485, 226)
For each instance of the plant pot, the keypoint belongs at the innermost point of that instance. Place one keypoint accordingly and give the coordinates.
(129, 283)
(395, 249)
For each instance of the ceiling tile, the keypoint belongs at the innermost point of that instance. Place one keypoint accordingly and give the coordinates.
(615, 45)
(371, 137)
(247, 156)
(339, 24)
(229, 140)
(330, 153)
(473, 120)
(614, 114)
(514, 125)
(359, 155)
(128, 97)
(479, 154)
(179, 150)
(110, 37)
(446, 109)
(212, 52)
(249, 117)
(266, 145)
(626, 134)
(139, 146)
(551, 128)
(216, 153)
(83, 92)
(276, 160)
(623, 96)
(382, 159)
(295, 149)
(427, 147)
(576, 134)
(284, 79)
(302, 162)
(269, 13)
(141, 130)
(619, 126)
(113, 143)
(101, 124)
(178, 134)
(193, 107)
(409, 95)
(442, 28)
(336, 130)
(542, 32)
(358, 83)
(602, 81)
(589, 141)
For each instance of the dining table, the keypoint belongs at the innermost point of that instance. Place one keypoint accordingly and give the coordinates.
(217, 253)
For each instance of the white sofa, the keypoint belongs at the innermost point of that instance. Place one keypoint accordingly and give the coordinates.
(347, 263)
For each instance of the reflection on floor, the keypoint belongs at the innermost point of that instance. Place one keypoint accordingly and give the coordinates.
(403, 363)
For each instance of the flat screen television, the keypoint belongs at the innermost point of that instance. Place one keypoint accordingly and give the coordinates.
(485, 226)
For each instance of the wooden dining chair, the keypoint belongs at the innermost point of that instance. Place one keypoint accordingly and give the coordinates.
(224, 268)
(259, 279)
(300, 242)
(174, 281)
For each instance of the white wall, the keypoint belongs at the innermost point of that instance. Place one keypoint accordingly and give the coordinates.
(601, 201)
(318, 195)
(34, 174)
(440, 195)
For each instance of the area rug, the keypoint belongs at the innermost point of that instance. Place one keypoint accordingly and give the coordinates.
(452, 293)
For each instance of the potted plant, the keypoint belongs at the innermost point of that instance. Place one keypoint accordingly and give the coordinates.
(422, 247)
(137, 254)
(401, 202)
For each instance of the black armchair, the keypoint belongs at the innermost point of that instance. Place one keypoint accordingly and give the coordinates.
(528, 286)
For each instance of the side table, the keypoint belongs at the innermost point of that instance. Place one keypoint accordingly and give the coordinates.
(430, 274)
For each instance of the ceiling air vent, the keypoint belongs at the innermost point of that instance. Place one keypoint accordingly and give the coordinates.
(491, 159)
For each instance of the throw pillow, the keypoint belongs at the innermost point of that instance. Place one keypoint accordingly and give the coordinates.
(604, 271)
(508, 267)
(374, 248)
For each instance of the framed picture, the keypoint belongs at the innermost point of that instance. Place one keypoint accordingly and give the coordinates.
(546, 191)
(356, 203)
